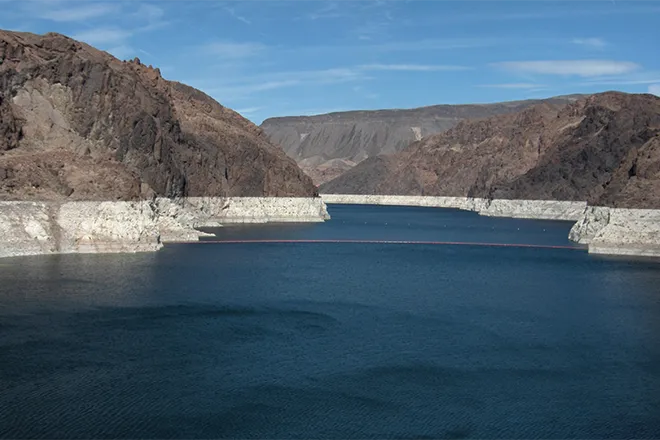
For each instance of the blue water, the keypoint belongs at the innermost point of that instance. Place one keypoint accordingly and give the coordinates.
(335, 340)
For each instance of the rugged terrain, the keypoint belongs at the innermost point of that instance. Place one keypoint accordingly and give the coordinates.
(78, 124)
(603, 149)
(326, 146)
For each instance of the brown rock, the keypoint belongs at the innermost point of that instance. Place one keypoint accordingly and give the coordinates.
(604, 149)
(327, 145)
(119, 126)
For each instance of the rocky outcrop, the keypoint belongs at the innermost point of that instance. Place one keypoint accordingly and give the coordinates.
(589, 223)
(617, 231)
(604, 149)
(33, 228)
(325, 146)
(79, 124)
(534, 209)
(464, 203)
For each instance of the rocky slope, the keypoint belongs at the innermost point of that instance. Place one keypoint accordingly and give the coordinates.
(78, 124)
(325, 146)
(603, 149)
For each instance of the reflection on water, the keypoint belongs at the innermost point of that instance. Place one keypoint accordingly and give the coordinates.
(335, 341)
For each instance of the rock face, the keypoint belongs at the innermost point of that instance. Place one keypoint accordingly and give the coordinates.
(32, 228)
(603, 149)
(619, 231)
(326, 146)
(78, 124)
(529, 209)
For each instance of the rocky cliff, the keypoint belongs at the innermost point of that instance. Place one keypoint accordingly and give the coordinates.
(32, 228)
(78, 124)
(326, 146)
(603, 149)
(619, 231)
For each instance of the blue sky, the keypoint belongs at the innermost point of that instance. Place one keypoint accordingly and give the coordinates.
(276, 58)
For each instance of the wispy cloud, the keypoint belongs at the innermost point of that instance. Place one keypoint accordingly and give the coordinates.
(433, 44)
(513, 86)
(76, 12)
(149, 12)
(123, 52)
(544, 15)
(623, 82)
(103, 36)
(248, 85)
(249, 110)
(234, 50)
(237, 16)
(583, 68)
(636, 78)
(591, 43)
(328, 10)
(413, 67)
(277, 80)
(654, 89)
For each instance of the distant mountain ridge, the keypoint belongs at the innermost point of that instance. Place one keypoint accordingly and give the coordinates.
(327, 145)
(603, 149)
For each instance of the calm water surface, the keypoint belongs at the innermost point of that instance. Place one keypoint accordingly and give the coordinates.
(335, 340)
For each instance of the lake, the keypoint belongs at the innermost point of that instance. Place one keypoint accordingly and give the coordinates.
(335, 340)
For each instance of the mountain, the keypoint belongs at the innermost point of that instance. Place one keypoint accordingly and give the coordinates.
(77, 123)
(327, 145)
(604, 149)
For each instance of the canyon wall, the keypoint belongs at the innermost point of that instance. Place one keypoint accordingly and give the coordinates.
(33, 228)
(531, 209)
(325, 146)
(618, 231)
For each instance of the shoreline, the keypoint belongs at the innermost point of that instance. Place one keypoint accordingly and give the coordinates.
(37, 228)
(605, 230)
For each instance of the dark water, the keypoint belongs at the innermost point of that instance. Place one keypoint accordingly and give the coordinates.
(335, 340)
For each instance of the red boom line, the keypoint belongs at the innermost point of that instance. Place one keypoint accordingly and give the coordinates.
(435, 243)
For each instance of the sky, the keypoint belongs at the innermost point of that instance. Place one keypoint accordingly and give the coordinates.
(279, 58)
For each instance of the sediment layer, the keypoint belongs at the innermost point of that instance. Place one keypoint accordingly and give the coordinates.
(33, 228)
(618, 231)
(611, 231)
(532, 209)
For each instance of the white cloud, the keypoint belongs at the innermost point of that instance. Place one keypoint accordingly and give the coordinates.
(249, 85)
(122, 52)
(248, 110)
(629, 81)
(330, 10)
(412, 67)
(434, 44)
(84, 12)
(654, 89)
(513, 86)
(592, 43)
(322, 76)
(544, 15)
(149, 12)
(237, 16)
(242, 90)
(234, 50)
(103, 36)
(583, 68)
